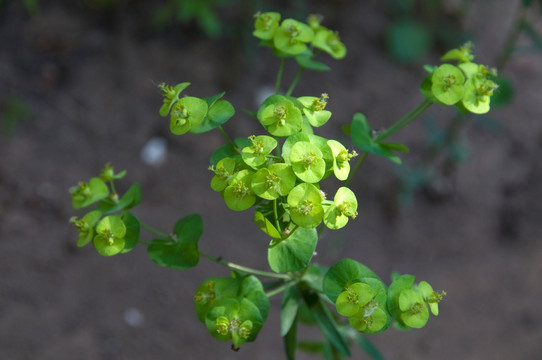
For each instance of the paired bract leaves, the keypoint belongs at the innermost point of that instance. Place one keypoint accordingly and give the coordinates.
(362, 137)
(182, 251)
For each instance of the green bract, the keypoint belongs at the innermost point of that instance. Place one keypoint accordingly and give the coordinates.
(108, 173)
(463, 54)
(291, 37)
(305, 201)
(187, 112)
(255, 154)
(478, 88)
(432, 298)
(85, 226)
(447, 84)
(109, 238)
(85, 194)
(274, 181)
(237, 320)
(341, 158)
(171, 96)
(265, 25)
(344, 205)
(307, 162)
(280, 116)
(224, 170)
(314, 109)
(353, 298)
(414, 312)
(329, 41)
(238, 194)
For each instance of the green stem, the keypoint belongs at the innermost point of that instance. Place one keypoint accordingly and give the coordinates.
(295, 81)
(227, 138)
(405, 120)
(278, 290)
(279, 75)
(153, 230)
(276, 214)
(244, 269)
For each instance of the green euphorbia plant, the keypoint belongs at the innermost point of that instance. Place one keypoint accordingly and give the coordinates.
(281, 175)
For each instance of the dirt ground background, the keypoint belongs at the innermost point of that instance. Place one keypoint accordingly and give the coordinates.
(89, 78)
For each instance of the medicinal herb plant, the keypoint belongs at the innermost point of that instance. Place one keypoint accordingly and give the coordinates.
(280, 174)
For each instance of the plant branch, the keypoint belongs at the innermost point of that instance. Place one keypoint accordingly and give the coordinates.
(295, 81)
(279, 75)
(405, 120)
(244, 269)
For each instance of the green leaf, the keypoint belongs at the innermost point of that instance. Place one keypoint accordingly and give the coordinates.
(290, 305)
(290, 341)
(293, 253)
(362, 138)
(265, 225)
(132, 231)
(343, 273)
(182, 253)
(219, 112)
(130, 199)
(308, 62)
(326, 323)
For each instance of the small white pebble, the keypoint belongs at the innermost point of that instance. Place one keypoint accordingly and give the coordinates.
(133, 317)
(154, 152)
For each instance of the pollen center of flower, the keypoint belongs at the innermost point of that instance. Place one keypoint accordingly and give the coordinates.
(449, 81)
(240, 189)
(271, 181)
(309, 158)
(305, 207)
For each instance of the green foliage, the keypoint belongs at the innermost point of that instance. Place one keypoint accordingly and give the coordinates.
(282, 175)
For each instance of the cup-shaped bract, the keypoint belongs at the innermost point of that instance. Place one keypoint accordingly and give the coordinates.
(224, 170)
(315, 109)
(274, 181)
(238, 195)
(85, 194)
(280, 116)
(292, 36)
(341, 159)
(344, 205)
(307, 162)
(330, 42)
(171, 96)
(448, 84)
(85, 226)
(479, 88)
(354, 298)
(414, 312)
(265, 25)
(305, 201)
(255, 154)
(431, 297)
(188, 111)
(238, 320)
(109, 238)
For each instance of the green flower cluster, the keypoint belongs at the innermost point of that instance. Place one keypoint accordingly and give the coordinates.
(261, 170)
(468, 86)
(232, 308)
(360, 295)
(290, 37)
(110, 234)
(192, 114)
